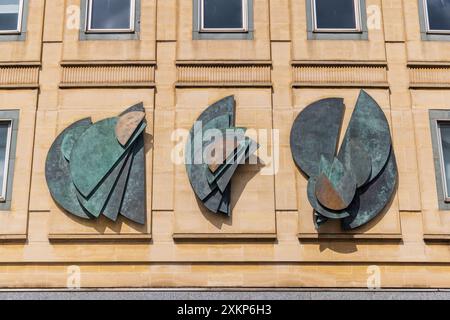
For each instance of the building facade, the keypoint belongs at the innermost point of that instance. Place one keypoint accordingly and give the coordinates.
(65, 60)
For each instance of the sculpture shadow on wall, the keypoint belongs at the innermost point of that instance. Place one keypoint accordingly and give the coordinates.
(244, 174)
(348, 245)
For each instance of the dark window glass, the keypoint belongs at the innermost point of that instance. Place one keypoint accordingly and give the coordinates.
(9, 15)
(223, 14)
(4, 136)
(445, 142)
(110, 14)
(335, 14)
(439, 14)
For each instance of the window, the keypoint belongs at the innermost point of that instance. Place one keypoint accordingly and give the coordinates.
(222, 20)
(9, 126)
(437, 16)
(11, 16)
(337, 20)
(443, 132)
(440, 138)
(223, 15)
(336, 16)
(5, 146)
(110, 16)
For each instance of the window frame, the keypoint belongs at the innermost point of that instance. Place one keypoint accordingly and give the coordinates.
(19, 22)
(7, 159)
(88, 20)
(245, 23)
(443, 174)
(437, 116)
(426, 17)
(358, 20)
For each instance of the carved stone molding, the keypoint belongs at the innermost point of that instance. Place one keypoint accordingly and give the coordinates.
(330, 74)
(19, 76)
(223, 74)
(429, 75)
(107, 75)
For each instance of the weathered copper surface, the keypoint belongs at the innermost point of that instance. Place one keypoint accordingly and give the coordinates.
(134, 204)
(57, 172)
(335, 187)
(315, 134)
(97, 200)
(356, 159)
(319, 209)
(90, 173)
(327, 195)
(358, 183)
(210, 177)
(127, 125)
(222, 150)
(370, 128)
(95, 153)
(197, 170)
(249, 148)
(70, 138)
(112, 207)
(373, 198)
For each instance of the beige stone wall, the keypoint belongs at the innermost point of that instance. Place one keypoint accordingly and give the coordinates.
(55, 79)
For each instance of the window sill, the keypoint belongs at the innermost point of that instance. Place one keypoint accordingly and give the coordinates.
(20, 36)
(427, 36)
(202, 35)
(224, 31)
(357, 35)
(9, 33)
(111, 31)
(112, 36)
(442, 33)
(338, 31)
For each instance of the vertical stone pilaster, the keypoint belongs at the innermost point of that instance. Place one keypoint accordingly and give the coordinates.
(163, 168)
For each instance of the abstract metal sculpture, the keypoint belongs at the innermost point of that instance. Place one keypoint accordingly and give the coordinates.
(214, 150)
(357, 183)
(99, 168)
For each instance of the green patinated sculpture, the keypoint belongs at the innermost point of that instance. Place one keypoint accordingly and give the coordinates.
(358, 182)
(99, 168)
(214, 150)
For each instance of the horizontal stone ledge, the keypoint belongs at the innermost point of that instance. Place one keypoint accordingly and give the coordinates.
(225, 236)
(224, 62)
(340, 63)
(19, 86)
(140, 85)
(69, 237)
(20, 64)
(20, 237)
(68, 63)
(433, 237)
(429, 86)
(432, 64)
(223, 84)
(334, 85)
(349, 236)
